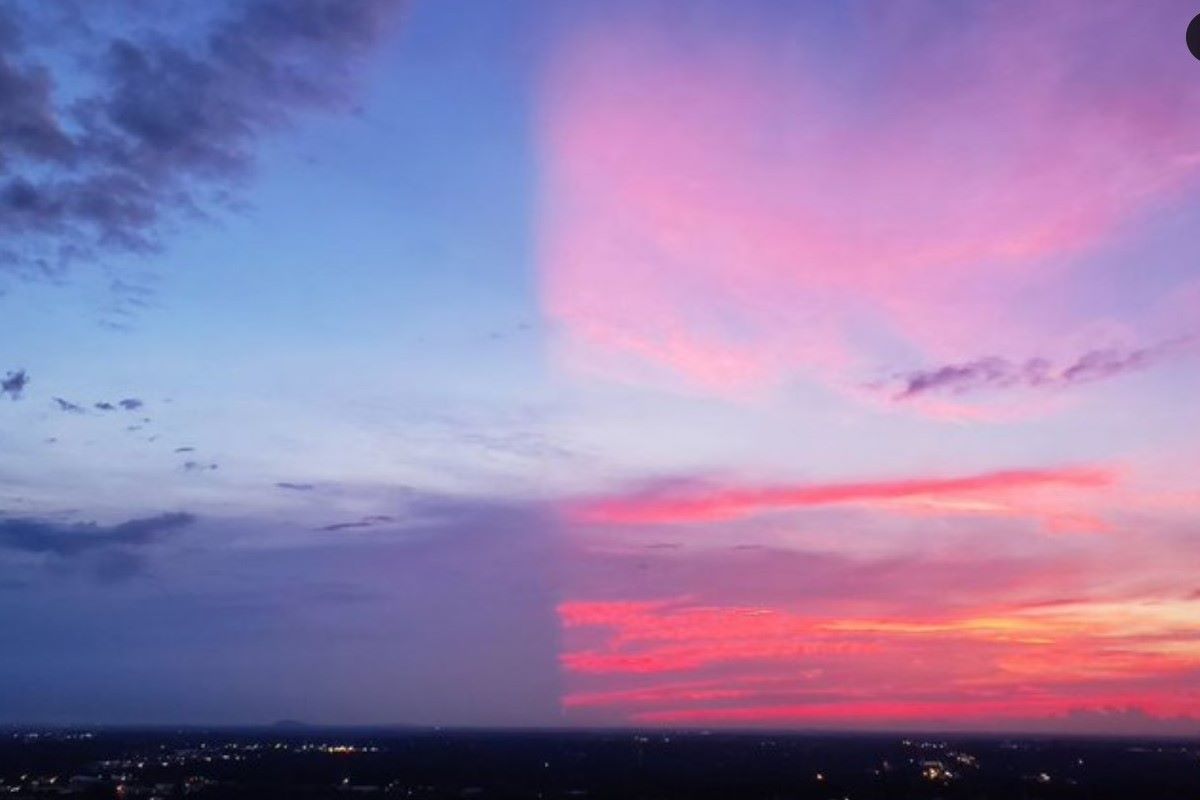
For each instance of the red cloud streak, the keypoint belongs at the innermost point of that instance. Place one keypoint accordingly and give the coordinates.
(717, 504)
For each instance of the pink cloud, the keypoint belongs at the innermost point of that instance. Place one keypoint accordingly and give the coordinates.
(974, 492)
(678, 662)
(733, 211)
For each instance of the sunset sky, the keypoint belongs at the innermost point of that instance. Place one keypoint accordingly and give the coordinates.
(611, 362)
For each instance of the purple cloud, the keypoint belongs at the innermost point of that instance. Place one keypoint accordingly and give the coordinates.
(993, 372)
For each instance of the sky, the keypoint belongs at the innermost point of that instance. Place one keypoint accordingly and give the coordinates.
(605, 363)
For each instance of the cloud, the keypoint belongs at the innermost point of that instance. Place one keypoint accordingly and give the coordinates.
(295, 487)
(105, 406)
(1024, 715)
(68, 406)
(31, 128)
(197, 466)
(419, 514)
(706, 504)
(169, 120)
(993, 372)
(185, 449)
(67, 540)
(685, 660)
(365, 522)
(14, 383)
(130, 404)
(720, 215)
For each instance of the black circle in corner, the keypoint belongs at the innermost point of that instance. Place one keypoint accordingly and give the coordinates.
(1193, 36)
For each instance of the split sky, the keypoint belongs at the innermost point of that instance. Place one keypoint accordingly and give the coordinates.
(600, 363)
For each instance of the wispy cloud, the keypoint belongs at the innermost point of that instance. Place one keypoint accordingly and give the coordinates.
(366, 522)
(128, 404)
(295, 487)
(67, 406)
(994, 372)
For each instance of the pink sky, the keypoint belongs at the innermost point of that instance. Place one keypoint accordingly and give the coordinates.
(956, 237)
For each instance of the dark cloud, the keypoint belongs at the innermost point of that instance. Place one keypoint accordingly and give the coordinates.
(993, 372)
(29, 126)
(196, 466)
(958, 377)
(1123, 721)
(168, 125)
(365, 522)
(185, 449)
(341, 526)
(295, 487)
(105, 406)
(110, 554)
(67, 405)
(130, 404)
(68, 540)
(14, 383)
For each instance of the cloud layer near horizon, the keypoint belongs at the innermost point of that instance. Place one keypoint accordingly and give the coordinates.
(937, 622)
